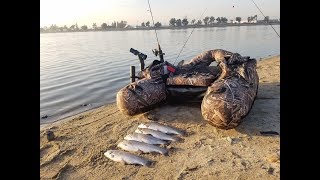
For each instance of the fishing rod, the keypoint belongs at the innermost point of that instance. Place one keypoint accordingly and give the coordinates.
(159, 51)
(188, 38)
(265, 18)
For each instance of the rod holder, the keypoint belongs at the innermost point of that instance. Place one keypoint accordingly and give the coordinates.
(133, 73)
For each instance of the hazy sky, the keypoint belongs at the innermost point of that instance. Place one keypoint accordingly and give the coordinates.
(68, 12)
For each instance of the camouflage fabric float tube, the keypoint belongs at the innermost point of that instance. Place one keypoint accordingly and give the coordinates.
(229, 99)
(141, 95)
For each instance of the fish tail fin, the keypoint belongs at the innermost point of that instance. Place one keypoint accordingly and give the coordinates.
(150, 163)
(166, 153)
(178, 139)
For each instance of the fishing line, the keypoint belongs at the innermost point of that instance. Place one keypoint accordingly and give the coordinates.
(188, 38)
(265, 17)
(153, 22)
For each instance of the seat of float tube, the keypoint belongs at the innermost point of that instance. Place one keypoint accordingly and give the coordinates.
(203, 77)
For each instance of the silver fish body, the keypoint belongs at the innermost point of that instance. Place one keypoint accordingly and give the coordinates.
(144, 138)
(126, 158)
(160, 127)
(136, 146)
(157, 134)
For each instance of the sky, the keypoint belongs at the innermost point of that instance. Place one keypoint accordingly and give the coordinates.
(87, 12)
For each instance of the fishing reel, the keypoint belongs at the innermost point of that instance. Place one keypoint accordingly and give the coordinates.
(156, 52)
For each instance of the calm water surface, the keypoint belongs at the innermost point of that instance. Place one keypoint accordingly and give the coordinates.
(83, 70)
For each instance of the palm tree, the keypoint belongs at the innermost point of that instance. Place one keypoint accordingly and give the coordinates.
(211, 20)
(193, 21)
(94, 26)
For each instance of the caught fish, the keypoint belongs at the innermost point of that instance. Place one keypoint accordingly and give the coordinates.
(157, 134)
(131, 145)
(160, 127)
(144, 138)
(126, 158)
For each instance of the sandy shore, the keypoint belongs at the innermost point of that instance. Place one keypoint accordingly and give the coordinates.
(205, 153)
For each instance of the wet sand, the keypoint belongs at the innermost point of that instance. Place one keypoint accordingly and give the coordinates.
(206, 152)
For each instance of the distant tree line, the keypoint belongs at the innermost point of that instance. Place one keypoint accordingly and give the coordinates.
(173, 22)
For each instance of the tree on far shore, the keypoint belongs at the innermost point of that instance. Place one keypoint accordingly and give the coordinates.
(148, 24)
(266, 19)
(224, 19)
(185, 21)
(72, 27)
(199, 22)
(104, 26)
(143, 25)
(122, 24)
(218, 20)
(114, 24)
(193, 21)
(172, 22)
(205, 20)
(158, 24)
(211, 20)
(94, 26)
(178, 22)
(84, 27)
(238, 19)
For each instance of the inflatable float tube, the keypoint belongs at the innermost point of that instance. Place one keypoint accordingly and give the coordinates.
(229, 89)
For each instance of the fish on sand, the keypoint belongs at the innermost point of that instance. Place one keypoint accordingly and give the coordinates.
(157, 134)
(126, 158)
(144, 138)
(136, 146)
(161, 127)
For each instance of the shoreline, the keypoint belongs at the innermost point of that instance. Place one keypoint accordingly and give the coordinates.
(172, 28)
(77, 152)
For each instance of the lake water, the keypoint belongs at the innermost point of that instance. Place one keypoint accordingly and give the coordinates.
(83, 70)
